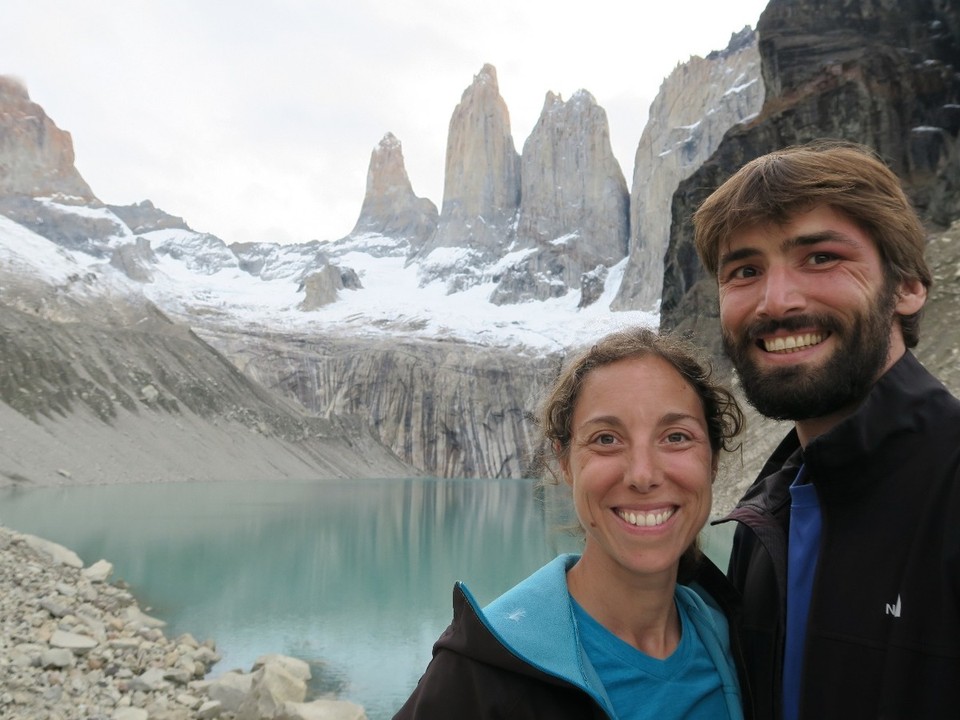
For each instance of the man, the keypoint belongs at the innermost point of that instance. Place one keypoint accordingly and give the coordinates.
(847, 549)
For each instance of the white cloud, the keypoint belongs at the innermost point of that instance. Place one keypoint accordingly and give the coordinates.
(256, 121)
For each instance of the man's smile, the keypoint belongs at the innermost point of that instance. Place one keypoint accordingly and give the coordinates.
(792, 343)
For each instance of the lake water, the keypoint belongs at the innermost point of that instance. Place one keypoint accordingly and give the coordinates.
(354, 577)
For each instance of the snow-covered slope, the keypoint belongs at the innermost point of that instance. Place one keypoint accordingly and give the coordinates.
(198, 279)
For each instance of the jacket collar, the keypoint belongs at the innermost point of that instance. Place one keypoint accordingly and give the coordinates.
(509, 632)
(845, 459)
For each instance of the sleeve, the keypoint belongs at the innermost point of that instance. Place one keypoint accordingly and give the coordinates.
(453, 686)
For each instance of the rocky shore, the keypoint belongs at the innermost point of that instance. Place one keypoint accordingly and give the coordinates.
(74, 646)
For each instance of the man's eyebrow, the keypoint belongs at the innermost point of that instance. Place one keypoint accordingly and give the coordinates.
(789, 243)
(817, 238)
(737, 255)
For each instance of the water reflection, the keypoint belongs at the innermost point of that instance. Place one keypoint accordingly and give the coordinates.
(355, 577)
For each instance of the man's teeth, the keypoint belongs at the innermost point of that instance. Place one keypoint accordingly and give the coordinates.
(646, 519)
(792, 343)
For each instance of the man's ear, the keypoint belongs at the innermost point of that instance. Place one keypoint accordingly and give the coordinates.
(911, 296)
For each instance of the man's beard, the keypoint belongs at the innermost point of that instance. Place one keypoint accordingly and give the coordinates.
(802, 393)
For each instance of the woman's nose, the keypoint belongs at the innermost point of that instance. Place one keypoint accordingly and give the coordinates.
(641, 472)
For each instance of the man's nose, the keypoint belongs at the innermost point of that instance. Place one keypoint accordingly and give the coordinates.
(782, 293)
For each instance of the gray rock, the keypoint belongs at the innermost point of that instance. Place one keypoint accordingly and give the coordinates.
(481, 187)
(273, 685)
(294, 666)
(322, 710)
(210, 709)
(230, 690)
(697, 103)
(130, 713)
(55, 552)
(57, 657)
(574, 209)
(150, 680)
(75, 642)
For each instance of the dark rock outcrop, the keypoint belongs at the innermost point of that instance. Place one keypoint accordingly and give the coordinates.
(323, 287)
(145, 217)
(134, 260)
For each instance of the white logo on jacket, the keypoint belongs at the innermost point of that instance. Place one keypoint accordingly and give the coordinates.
(895, 608)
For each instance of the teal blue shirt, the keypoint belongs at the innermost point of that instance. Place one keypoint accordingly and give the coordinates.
(685, 685)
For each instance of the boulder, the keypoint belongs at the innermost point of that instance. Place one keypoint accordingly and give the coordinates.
(57, 553)
(273, 685)
(322, 710)
(99, 572)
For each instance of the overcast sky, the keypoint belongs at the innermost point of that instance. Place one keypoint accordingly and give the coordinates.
(255, 121)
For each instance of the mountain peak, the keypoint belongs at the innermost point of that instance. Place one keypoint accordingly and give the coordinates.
(36, 157)
(390, 207)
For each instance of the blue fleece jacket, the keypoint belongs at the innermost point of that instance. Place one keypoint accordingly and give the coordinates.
(518, 619)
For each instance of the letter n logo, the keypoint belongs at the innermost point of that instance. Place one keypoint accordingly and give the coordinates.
(894, 609)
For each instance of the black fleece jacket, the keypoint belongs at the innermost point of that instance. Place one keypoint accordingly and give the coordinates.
(883, 635)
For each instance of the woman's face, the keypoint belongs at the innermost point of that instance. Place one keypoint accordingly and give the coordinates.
(640, 466)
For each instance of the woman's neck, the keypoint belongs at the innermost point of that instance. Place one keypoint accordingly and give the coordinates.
(640, 610)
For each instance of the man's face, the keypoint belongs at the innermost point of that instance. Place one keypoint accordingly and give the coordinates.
(807, 315)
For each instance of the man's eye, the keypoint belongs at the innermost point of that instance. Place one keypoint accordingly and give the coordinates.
(821, 257)
(747, 271)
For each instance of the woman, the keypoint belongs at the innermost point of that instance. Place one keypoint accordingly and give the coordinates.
(636, 426)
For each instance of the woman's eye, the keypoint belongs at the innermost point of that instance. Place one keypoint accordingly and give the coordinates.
(677, 437)
(606, 439)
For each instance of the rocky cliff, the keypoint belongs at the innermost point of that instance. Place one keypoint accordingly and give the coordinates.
(536, 226)
(36, 157)
(697, 103)
(451, 409)
(481, 187)
(96, 388)
(390, 207)
(573, 219)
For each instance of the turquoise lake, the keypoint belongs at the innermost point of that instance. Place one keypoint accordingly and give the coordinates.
(354, 577)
